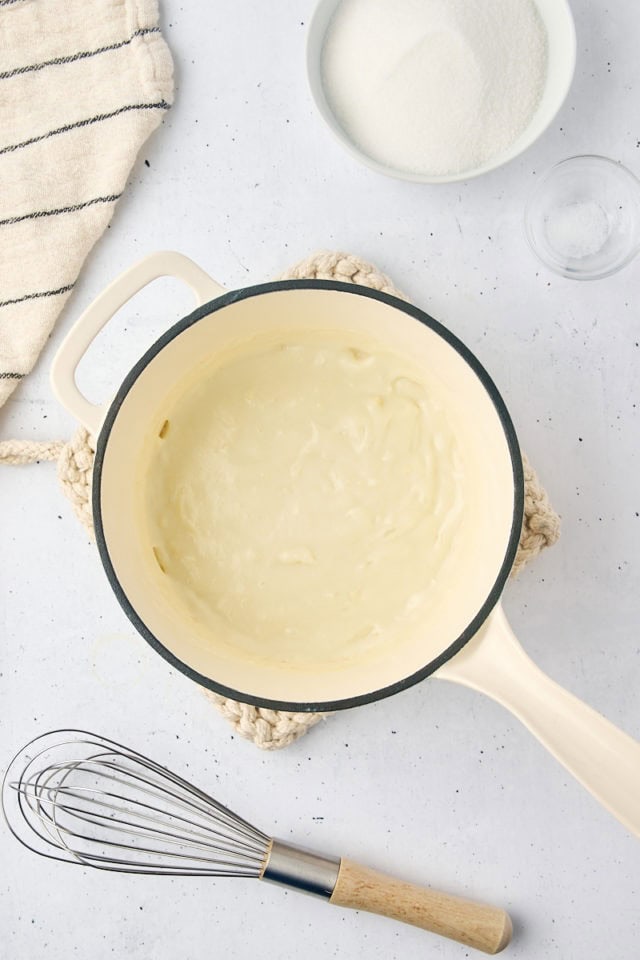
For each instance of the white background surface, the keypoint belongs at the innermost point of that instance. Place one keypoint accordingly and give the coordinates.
(438, 784)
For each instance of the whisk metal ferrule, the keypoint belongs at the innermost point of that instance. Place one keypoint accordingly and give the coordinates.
(301, 869)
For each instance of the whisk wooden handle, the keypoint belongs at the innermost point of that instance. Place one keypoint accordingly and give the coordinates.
(474, 924)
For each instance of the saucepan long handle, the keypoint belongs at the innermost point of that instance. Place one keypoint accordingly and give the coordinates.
(601, 757)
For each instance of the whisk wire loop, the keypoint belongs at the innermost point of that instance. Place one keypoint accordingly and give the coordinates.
(109, 807)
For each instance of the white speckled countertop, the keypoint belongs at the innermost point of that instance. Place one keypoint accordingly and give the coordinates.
(438, 784)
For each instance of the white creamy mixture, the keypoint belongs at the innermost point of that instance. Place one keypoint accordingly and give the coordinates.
(304, 498)
(434, 87)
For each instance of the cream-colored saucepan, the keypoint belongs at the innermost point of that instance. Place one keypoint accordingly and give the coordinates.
(465, 636)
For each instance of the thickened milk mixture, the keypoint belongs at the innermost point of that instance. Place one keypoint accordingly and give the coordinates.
(303, 499)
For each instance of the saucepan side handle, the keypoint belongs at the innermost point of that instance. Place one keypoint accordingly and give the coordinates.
(165, 263)
(601, 757)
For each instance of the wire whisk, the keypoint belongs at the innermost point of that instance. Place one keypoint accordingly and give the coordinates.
(89, 800)
(76, 797)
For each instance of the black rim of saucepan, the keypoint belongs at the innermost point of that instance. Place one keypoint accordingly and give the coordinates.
(510, 435)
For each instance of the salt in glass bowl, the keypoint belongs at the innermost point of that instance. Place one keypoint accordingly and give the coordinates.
(583, 218)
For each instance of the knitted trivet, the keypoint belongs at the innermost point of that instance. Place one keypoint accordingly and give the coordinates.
(272, 729)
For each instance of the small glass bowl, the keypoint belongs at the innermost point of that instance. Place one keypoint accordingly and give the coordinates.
(583, 218)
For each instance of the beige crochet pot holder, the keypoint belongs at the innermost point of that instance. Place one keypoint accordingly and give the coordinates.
(272, 729)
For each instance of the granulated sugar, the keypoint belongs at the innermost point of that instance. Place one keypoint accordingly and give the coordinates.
(434, 87)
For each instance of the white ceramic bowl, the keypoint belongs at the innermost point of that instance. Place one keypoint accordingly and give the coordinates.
(561, 53)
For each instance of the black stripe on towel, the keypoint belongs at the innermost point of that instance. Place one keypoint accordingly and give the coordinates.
(54, 213)
(4, 375)
(37, 296)
(82, 55)
(7, 3)
(159, 105)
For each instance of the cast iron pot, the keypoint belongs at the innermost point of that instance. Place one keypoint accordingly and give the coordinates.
(471, 643)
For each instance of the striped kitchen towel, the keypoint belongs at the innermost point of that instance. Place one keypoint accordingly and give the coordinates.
(83, 83)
